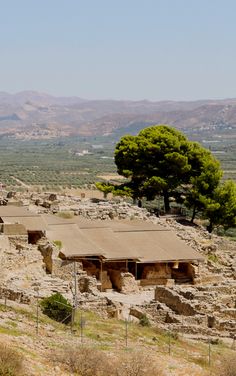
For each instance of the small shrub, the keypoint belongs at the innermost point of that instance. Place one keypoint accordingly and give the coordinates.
(57, 308)
(137, 363)
(10, 362)
(144, 320)
(66, 214)
(58, 244)
(174, 335)
(213, 258)
(84, 361)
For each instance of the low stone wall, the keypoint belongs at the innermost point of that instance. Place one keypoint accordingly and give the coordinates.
(174, 301)
(18, 296)
(157, 281)
(123, 281)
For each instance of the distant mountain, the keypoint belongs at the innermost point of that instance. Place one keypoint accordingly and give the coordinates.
(74, 115)
(37, 98)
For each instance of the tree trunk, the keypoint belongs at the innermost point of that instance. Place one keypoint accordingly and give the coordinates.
(210, 227)
(140, 203)
(194, 213)
(166, 201)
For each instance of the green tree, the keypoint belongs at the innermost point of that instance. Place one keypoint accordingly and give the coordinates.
(161, 160)
(155, 160)
(105, 188)
(205, 175)
(221, 209)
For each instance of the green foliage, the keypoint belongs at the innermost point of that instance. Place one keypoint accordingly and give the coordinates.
(221, 208)
(104, 187)
(58, 244)
(57, 308)
(204, 179)
(144, 320)
(122, 190)
(161, 160)
(213, 258)
(53, 163)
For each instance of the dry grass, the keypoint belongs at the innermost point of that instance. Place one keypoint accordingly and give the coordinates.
(137, 363)
(88, 361)
(10, 362)
(228, 366)
(82, 360)
(66, 214)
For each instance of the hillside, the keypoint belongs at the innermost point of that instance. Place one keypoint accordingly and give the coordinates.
(58, 116)
(192, 325)
(102, 345)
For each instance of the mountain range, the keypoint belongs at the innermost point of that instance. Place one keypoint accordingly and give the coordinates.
(37, 114)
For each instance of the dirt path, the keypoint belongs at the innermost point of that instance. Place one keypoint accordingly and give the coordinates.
(131, 299)
(21, 182)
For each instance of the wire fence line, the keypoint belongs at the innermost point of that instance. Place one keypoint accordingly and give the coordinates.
(80, 324)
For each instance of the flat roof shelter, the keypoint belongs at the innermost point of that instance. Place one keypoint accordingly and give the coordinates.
(124, 245)
(33, 223)
(120, 240)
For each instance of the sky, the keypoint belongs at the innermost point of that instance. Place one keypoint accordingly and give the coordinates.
(119, 49)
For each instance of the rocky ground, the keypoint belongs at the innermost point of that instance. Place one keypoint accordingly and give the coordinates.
(174, 357)
(202, 311)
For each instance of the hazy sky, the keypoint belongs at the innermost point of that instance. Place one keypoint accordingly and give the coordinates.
(120, 49)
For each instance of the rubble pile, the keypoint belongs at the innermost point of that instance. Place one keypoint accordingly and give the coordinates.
(23, 274)
(203, 310)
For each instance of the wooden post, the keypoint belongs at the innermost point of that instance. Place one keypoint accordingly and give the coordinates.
(126, 333)
(101, 276)
(136, 270)
(169, 342)
(37, 313)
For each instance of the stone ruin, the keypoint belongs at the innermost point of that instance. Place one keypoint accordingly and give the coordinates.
(207, 308)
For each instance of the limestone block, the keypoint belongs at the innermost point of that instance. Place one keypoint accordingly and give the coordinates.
(174, 301)
(105, 280)
(128, 283)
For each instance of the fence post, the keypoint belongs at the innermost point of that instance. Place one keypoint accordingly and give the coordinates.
(209, 352)
(126, 333)
(37, 326)
(75, 302)
(233, 344)
(36, 289)
(169, 342)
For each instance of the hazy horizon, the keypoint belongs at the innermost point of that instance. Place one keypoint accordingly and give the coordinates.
(47, 93)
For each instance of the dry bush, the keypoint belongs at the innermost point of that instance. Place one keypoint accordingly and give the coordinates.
(228, 366)
(87, 361)
(137, 363)
(83, 361)
(10, 362)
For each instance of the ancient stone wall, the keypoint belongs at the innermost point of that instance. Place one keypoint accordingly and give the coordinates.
(174, 301)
